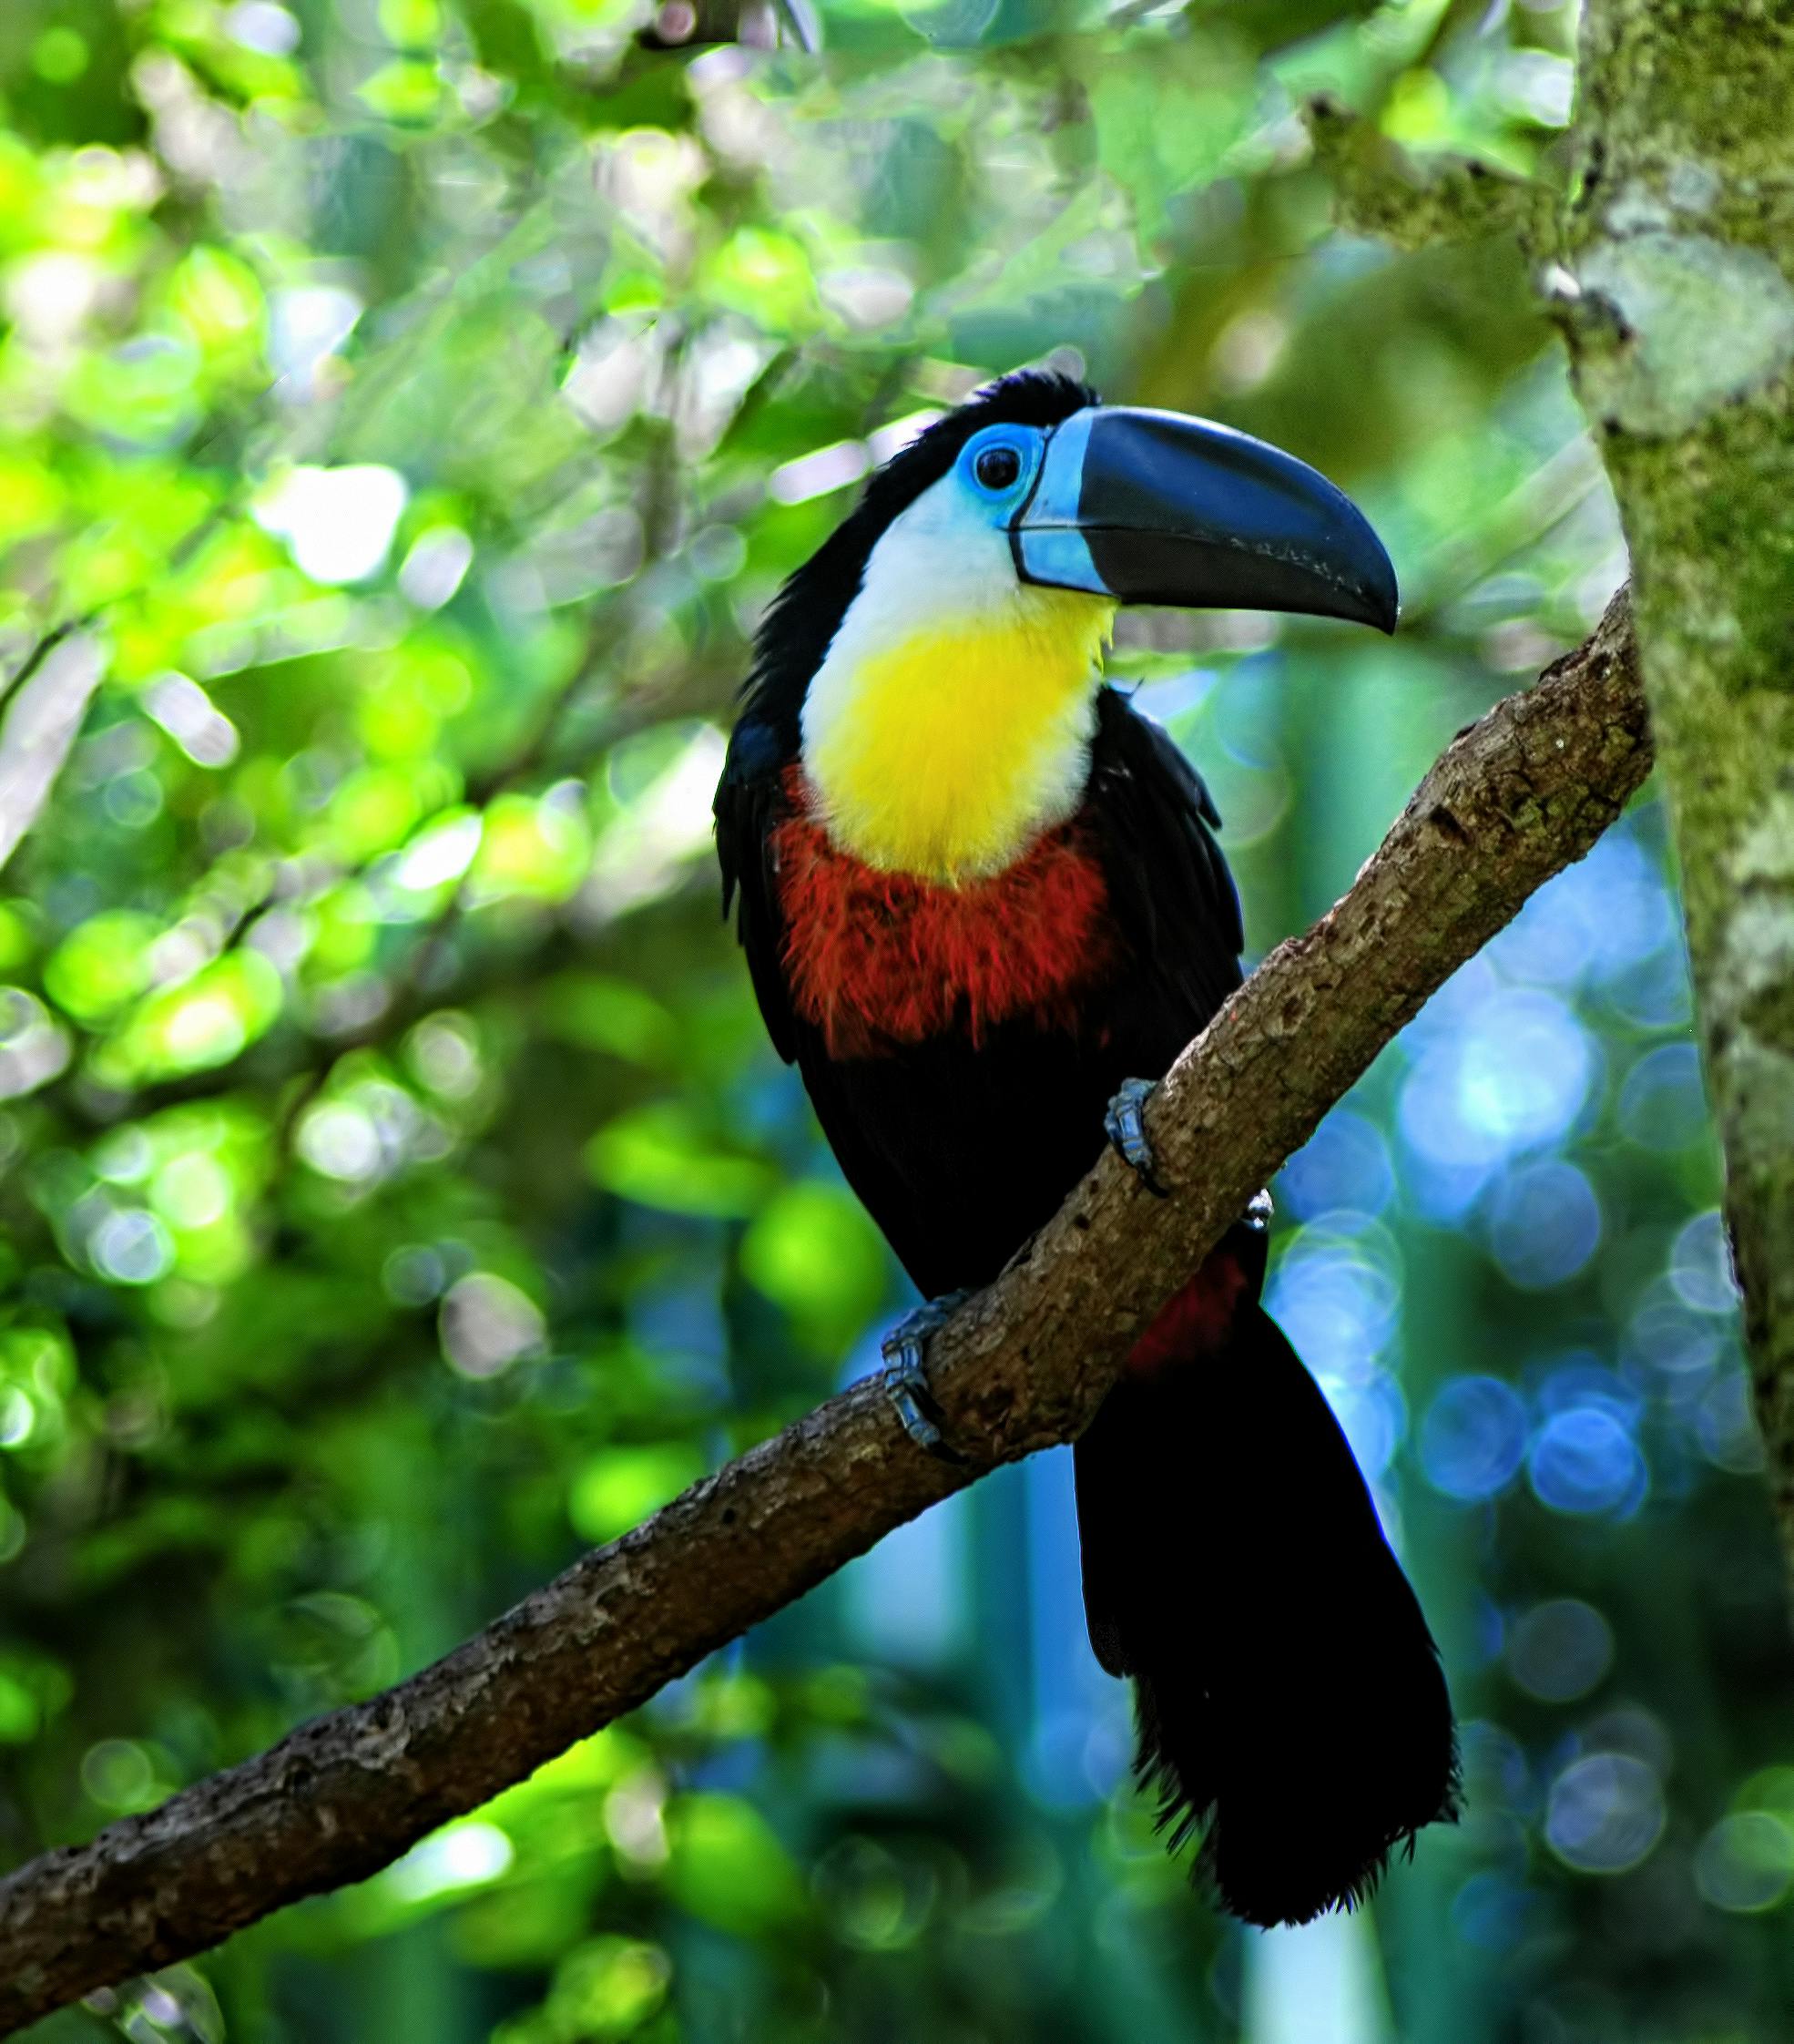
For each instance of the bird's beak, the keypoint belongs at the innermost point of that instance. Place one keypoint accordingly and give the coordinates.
(1155, 507)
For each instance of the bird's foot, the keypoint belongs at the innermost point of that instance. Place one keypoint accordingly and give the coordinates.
(1127, 1132)
(905, 1374)
(1258, 1214)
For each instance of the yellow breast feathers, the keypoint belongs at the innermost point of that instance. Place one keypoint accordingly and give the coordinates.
(948, 751)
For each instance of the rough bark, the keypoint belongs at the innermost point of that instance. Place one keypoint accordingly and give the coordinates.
(1676, 288)
(1516, 798)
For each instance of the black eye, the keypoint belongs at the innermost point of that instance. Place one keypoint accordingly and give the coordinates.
(997, 468)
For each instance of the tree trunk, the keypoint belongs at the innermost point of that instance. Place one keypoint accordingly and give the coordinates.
(1676, 288)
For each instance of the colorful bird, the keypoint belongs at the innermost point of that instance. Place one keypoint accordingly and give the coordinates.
(984, 906)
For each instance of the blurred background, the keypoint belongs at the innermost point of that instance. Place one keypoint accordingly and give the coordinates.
(408, 407)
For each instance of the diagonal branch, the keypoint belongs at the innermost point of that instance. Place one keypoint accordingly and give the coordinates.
(54, 687)
(1516, 797)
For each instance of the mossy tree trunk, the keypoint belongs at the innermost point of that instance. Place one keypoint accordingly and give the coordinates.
(1676, 288)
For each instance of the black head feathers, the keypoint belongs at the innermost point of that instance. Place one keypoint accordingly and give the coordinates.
(795, 634)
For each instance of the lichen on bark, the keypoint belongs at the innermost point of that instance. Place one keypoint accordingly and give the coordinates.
(1414, 202)
(1675, 290)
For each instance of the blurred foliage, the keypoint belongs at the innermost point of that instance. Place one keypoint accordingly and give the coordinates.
(408, 406)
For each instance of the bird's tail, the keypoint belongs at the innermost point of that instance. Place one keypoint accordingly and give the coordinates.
(1287, 1695)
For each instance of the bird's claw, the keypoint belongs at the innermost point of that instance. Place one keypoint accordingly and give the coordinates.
(904, 1378)
(1258, 1213)
(1125, 1126)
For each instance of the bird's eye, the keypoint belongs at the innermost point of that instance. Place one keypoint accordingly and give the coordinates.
(997, 468)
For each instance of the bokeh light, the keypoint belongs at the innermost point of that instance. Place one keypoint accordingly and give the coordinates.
(1746, 1862)
(1662, 1102)
(1583, 1460)
(1473, 1438)
(1505, 1074)
(1560, 1649)
(1344, 1167)
(1544, 1225)
(1604, 1813)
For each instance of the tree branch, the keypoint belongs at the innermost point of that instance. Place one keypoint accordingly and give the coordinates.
(1023, 1366)
(42, 719)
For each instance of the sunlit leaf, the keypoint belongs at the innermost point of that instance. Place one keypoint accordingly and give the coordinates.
(620, 1487)
(658, 1155)
(813, 1250)
(540, 848)
(101, 965)
(204, 1020)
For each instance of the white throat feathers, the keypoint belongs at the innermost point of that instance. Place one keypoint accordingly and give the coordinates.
(948, 725)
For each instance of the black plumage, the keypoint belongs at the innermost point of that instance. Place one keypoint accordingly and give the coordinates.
(1288, 1694)
(962, 1149)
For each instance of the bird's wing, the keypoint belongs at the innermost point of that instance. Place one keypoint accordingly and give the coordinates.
(1169, 888)
(750, 803)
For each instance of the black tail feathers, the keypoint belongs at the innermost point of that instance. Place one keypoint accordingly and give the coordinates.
(1289, 1697)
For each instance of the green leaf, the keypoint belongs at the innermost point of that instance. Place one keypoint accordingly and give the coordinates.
(206, 1020)
(595, 1011)
(407, 92)
(101, 965)
(620, 1487)
(1167, 114)
(728, 1866)
(657, 1156)
(540, 847)
(813, 1251)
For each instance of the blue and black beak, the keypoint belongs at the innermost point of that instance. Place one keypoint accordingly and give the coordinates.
(1155, 507)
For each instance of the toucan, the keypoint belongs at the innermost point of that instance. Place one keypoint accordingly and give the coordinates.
(984, 908)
